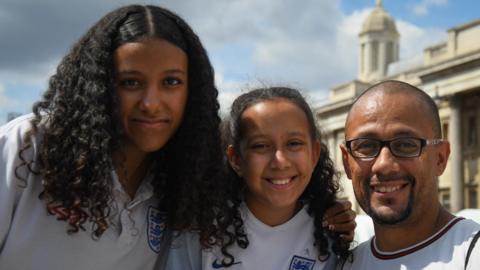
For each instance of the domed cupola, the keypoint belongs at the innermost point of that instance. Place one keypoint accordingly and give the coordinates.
(378, 44)
(379, 21)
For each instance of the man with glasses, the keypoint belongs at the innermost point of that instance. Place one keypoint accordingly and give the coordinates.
(394, 154)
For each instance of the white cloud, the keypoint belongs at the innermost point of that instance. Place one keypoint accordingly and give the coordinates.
(230, 89)
(287, 41)
(226, 99)
(312, 45)
(424, 6)
(347, 42)
(414, 39)
(5, 101)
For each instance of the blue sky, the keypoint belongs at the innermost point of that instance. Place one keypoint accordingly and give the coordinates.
(308, 44)
(424, 13)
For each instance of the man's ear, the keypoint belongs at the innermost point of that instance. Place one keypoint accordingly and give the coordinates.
(234, 159)
(443, 154)
(346, 166)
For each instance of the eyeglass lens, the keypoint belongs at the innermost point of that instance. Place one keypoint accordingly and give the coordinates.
(402, 147)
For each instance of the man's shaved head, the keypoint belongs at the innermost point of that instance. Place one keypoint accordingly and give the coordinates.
(392, 87)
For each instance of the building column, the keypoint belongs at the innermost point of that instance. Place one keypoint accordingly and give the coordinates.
(367, 61)
(330, 137)
(455, 138)
(382, 61)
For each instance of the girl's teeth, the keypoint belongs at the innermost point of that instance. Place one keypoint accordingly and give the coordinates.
(280, 181)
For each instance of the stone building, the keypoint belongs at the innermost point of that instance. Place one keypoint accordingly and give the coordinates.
(449, 72)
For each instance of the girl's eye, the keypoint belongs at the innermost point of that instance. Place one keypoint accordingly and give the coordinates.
(172, 81)
(129, 83)
(295, 144)
(259, 146)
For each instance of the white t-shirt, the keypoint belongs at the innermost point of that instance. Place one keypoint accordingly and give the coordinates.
(446, 250)
(30, 238)
(286, 246)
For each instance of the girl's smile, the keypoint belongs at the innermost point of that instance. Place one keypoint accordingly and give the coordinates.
(277, 156)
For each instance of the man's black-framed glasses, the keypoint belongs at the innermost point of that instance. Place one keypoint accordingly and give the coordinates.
(403, 147)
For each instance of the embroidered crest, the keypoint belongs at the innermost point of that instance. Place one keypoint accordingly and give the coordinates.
(300, 263)
(155, 227)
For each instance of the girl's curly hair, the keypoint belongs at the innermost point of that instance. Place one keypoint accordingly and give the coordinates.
(319, 194)
(77, 123)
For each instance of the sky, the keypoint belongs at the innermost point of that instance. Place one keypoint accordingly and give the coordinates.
(311, 45)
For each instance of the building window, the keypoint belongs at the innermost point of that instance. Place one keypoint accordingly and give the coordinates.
(472, 197)
(472, 169)
(374, 64)
(472, 131)
(445, 197)
(445, 131)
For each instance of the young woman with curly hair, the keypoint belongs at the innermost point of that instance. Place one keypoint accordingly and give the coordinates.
(282, 182)
(124, 144)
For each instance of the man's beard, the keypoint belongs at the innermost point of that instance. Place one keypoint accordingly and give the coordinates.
(390, 219)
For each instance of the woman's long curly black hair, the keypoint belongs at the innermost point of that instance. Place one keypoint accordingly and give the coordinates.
(77, 123)
(320, 193)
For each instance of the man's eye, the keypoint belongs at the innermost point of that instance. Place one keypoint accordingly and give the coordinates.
(406, 145)
(366, 145)
(365, 148)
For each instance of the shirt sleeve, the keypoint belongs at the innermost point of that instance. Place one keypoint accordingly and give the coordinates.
(11, 141)
(474, 259)
(185, 252)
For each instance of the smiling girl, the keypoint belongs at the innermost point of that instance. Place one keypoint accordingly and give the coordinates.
(282, 182)
(286, 181)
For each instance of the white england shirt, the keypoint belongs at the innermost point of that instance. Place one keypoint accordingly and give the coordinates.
(445, 250)
(287, 246)
(30, 238)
